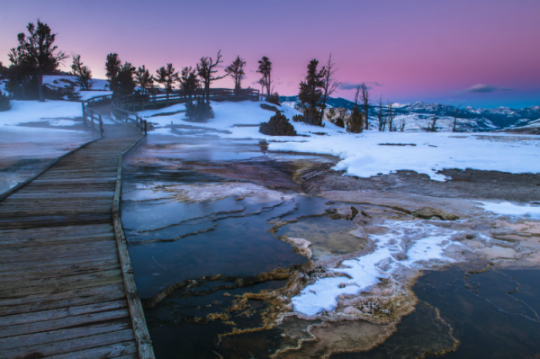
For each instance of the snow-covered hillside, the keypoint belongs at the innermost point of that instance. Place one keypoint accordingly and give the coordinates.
(417, 115)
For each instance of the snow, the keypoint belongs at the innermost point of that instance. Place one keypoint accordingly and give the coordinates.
(34, 111)
(65, 80)
(360, 154)
(507, 208)
(87, 95)
(364, 272)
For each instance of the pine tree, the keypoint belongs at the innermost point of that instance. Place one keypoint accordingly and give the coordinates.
(189, 83)
(113, 66)
(37, 51)
(311, 92)
(265, 69)
(355, 123)
(236, 71)
(205, 70)
(168, 76)
(143, 78)
(83, 73)
(126, 82)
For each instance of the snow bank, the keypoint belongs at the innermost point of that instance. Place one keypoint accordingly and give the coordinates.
(361, 154)
(87, 95)
(417, 245)
(507, 208)
(62, 81)
(34, 111)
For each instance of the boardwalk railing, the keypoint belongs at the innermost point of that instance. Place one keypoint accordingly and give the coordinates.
(93, 119)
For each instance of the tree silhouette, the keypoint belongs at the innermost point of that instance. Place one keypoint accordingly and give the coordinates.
(113, 66)
(330, 85)
(205, 70)
(143, 78)
(265, 69)
(83, 73)
(189, 83)
(236, 71)
(37, 51)
(311, 92)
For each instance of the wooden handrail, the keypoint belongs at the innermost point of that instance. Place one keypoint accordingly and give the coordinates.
(125, 107)
(93, 119)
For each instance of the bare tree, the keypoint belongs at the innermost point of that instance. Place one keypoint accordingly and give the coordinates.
(365, 102)
(355, 123)
(402, 125)
(83, 73)
(330, 85)
(205, 70)
(432, 124)
(390, 116)
(236, 71)
(380, 116)
(189, 82)
(455, 119)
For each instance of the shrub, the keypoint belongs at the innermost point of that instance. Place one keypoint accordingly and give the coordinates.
(339, 122)
(269, 107)
(4, 102)
(298, 118)
(199, 112)
(273, 98)
(277, 126)
(355, 124)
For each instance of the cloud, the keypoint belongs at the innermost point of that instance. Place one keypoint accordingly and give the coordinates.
(352, 86)
(480, 88)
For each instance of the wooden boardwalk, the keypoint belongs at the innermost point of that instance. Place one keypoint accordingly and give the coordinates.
(63, 270)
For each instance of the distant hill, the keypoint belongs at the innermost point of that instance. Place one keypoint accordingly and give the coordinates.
(416, 115)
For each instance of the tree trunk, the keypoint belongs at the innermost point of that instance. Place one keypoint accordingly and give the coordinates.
(40, 85)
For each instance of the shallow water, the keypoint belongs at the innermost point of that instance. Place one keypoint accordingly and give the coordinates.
(176, 234)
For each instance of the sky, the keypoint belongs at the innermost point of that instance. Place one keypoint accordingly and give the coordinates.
(480, 53)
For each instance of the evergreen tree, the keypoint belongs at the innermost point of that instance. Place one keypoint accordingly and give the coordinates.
(265, 69)
(4, 102)
(189, 83)
(236, 71)
(83, 73)
(355, 123)
(143, 78)
(365, 102)
(113, 66)
(167, 76)
(125, 80)
(311, 92)
(37, 51)
(205, 70)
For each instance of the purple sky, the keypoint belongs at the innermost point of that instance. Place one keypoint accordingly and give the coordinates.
(481, 53)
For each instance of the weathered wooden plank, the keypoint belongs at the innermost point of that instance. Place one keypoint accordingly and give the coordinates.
(57, 262)
(60, 270)
(74, 345)
(127, 349)
(55, 324)
(48, 289)
(89, 251)
(59, 282)
(29, 340)
(41, 302)
(53, 221)
(38, 233)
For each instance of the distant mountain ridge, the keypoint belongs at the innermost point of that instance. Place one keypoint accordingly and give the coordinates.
(470, 119)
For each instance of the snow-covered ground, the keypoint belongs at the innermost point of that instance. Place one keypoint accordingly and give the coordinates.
(363, 154)
(35, 111)
(62, 81)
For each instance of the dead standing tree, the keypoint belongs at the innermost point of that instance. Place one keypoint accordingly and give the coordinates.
(390, 116)
(454, 127)
(82, 72)
(355, 123)
(365, 103)
(330, 85)
(205, 70)
(380, 116)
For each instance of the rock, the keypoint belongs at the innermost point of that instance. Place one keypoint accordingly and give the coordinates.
(428, 212)
(351, 310)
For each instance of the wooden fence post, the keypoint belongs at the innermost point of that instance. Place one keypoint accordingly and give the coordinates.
(145, 127)
(83, 114)
(101, 125)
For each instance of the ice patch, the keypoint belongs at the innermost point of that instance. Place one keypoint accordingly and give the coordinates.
(507, 208)
(413, 245)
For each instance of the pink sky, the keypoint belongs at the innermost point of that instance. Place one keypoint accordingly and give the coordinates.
(417, 50)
